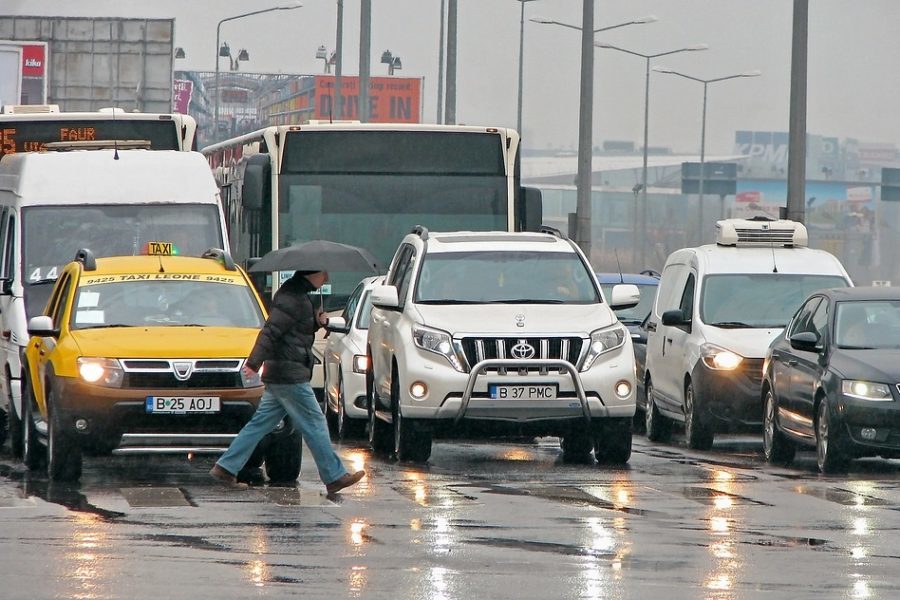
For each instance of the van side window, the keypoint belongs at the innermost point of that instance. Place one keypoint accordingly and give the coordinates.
(670, 283)
(3, 233)
(687, 298)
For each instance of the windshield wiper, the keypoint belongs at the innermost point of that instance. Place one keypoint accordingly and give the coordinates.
(43, 281)
(107, 325)
(843, 347)
(449, 301)
(733, 325)
(526, 301)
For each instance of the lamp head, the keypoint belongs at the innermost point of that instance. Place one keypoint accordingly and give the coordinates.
(179, 52)
(542, 20)
(290, 6)
(697, 47)
(647, 19)
(397, 64)
(243, 55)
(322, 52)
(386, 57)
(754, 73)
(224, 50)
(664, 70)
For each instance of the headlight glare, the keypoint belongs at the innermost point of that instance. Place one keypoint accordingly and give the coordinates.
(360, 363)
(101, 371)
(602, 341)
(720, 359)
(439, 342)
(866, 390)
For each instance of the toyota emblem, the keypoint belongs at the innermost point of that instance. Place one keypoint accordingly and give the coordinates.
(523, 350)
(520, 320)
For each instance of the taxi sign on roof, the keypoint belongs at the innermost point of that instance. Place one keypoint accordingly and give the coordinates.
(161, 249)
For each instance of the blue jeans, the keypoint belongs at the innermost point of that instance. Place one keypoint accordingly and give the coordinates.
(298, 401)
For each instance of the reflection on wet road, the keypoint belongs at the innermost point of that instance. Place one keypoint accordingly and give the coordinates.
(481, 520)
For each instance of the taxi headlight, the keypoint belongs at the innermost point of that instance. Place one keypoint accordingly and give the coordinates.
(252, 380)
(439, 342)
(603, 341)
(866, 390)
(720, 359)
(101, 371)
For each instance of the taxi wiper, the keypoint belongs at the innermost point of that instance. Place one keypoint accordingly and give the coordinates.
(732, 325)
(107, 325)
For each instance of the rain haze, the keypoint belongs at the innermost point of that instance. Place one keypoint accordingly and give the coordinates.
(852, 48)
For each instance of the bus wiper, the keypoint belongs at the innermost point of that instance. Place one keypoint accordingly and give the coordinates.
(732, 325)
(43, 281)
(526, 301)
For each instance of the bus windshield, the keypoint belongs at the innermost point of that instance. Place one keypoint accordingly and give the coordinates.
(51, 236)
(369, 188)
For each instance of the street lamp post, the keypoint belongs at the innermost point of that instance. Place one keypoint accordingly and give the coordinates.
(585, 119)
(521, 55)
(705, 83)
(647, 58)
(290, 6)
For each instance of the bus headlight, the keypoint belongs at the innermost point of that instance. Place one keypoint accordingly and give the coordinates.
(101, 371)
(602, 341)
(720, 359)
(437, 341)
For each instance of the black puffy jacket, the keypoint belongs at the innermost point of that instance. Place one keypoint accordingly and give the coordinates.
(285, 342)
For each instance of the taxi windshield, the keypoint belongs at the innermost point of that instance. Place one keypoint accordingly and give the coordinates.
(161, 303)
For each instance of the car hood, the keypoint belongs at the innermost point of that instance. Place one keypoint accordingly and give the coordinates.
(478, 319)
(880, 365)
(749, 343)
(171, 342)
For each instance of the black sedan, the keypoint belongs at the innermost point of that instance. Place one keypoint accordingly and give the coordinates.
(831, 379)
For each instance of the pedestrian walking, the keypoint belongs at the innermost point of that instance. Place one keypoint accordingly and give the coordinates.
(284, 345)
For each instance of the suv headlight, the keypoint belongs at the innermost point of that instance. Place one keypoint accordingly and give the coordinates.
(866, 390)
(101, 371)
(602, 341)
(720, 359)
(439, 342)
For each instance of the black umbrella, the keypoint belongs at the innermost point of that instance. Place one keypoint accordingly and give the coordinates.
(318, 255)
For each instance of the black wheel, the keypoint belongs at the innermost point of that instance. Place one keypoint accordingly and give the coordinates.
(698, 434)
(13, 423)
(34, 454)
(346, 427)
(63, 452)
(576, 446)
(283, 456)
(411, 442)
(380, 433)
(778, 448)
(658, 427)
(830, 454)
(612, 444)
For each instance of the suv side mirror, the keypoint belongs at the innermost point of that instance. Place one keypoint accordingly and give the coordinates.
(385, 296)
(806, 341)
(337, 325)
(624, 295)
(42, 326)
(674, 318)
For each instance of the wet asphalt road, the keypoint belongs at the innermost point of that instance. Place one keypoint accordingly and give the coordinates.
(482, 520)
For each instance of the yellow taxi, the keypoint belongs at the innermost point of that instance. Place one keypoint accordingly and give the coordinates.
(144, 354)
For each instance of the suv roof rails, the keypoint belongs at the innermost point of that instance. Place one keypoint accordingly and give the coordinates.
(221, 256)
(86, 258)
(421, 231)
(551, 231)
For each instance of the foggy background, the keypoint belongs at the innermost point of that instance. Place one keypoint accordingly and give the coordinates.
(853, 90)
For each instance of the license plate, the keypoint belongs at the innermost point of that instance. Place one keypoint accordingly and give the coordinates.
(181, 405)
(537, 391)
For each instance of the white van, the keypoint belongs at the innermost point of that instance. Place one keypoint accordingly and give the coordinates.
(112, 201)
(718, 308)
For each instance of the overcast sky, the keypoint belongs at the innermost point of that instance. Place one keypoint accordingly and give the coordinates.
(853, 88)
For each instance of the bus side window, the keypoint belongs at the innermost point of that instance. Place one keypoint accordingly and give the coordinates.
(8, 265)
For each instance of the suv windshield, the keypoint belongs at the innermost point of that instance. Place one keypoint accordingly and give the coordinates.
(758, 299)
(505, 276)
(165, 303)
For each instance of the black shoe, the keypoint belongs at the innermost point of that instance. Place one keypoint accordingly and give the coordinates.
(345, 480)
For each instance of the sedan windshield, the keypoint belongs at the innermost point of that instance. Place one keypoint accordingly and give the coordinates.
(505, 277)
(867, 324)
(165, 303)
(758, 300)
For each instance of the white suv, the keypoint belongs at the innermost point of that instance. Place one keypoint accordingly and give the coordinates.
(509, 330)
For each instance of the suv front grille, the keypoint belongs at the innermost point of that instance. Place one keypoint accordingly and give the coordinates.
(477, 349)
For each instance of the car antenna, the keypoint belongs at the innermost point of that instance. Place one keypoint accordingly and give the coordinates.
(161, 269)
(116, 102)
(774, 264)
(618, 264)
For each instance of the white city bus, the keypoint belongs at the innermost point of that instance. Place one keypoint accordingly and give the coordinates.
(367, 185)
(28, 128)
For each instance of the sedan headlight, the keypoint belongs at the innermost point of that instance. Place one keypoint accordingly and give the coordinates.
(603, 341)
(439, 342)
(101, 371)
(866, 390)
(720, 359)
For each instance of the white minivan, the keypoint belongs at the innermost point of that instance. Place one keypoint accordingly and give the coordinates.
(718, 308)
(112, 201)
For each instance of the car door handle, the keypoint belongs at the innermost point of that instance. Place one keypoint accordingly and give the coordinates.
(792, 363)
(651, 326)
(669, 340)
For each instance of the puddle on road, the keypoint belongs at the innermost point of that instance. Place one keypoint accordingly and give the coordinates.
(842, 496)
(553, 548)
(155, 497)
(294, 496)
(712, 497)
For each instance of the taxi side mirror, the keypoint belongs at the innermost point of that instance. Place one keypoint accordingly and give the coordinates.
(42, 326)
